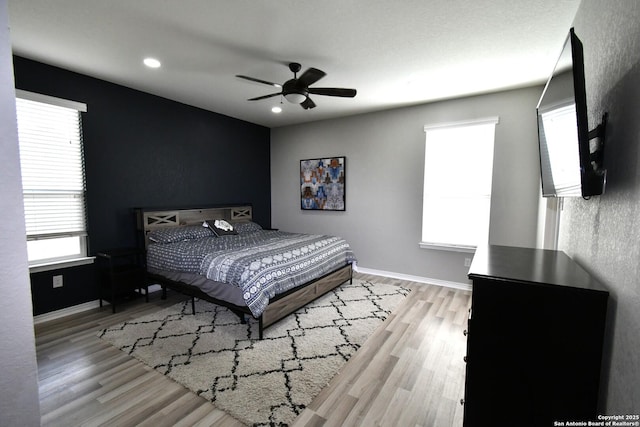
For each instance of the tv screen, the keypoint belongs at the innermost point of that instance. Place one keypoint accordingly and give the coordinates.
(566, 165)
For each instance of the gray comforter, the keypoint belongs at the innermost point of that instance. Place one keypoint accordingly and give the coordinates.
(261, 263)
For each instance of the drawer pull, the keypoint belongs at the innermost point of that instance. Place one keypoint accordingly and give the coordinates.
(462, 401)
(465, 359)
(465, 333)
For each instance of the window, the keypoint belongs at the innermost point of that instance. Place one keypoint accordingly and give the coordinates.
(52, 164)
(457, 184)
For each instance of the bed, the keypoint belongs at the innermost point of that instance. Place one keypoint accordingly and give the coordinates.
(222, 256)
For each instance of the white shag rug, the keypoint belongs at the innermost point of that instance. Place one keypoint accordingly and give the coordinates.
(259, 382)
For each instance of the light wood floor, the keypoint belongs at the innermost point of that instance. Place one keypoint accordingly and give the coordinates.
(410, 372)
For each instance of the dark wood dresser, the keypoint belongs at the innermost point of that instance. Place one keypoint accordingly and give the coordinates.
(534, 339)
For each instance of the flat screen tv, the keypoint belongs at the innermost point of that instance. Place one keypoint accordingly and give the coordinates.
(569, 166)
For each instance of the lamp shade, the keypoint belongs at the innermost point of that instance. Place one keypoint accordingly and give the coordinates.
(295, 98)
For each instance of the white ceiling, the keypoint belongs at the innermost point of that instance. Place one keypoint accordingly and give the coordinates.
(394, 53)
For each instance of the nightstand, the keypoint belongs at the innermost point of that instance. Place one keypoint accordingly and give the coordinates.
(121, 275)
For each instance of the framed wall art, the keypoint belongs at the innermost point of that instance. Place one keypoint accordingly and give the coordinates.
(322, 184)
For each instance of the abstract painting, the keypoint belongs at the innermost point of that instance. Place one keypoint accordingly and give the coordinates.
(322, 184)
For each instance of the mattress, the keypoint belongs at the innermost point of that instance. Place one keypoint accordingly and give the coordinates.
(217, 290)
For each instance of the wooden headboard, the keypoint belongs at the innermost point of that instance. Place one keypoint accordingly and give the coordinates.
(148, 220)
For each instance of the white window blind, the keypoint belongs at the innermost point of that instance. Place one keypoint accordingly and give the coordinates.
(53, 180)
(457, 184)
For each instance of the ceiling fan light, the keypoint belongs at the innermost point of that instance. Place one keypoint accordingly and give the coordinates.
(295, 98)
(152, 63)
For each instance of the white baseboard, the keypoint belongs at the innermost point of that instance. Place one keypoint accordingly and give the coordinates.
(419, 279)
(52, 315)
(154, 288)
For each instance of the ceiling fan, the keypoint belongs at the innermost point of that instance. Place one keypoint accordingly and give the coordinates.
(297, 90)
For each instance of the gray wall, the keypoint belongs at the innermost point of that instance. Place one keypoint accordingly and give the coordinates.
(603, 234)
(19, 403)
(385, 163)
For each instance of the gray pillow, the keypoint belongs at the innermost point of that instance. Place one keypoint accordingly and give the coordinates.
(178, 234)
(247, 227)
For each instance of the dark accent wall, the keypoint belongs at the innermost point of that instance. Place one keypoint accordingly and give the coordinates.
(144, 150)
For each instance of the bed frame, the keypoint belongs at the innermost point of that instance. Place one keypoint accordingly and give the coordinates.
(279, 307)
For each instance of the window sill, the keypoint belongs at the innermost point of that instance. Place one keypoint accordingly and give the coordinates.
(56, 265)
(445, 247)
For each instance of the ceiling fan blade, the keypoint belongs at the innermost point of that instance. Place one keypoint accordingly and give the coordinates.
(311, 76)
(253, 79)
(264, 96)
(333, 91)
(308, 103)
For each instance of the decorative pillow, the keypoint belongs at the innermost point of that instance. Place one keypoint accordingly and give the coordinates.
(178, 234)
(220, 227)
(247, 227)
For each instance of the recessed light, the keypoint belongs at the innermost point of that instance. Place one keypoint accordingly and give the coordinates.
(276, 109)
(152, 63)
